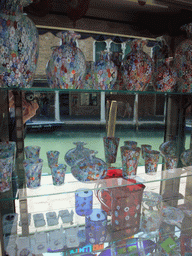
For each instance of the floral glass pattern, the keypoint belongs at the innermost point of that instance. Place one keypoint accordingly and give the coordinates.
(19, 45)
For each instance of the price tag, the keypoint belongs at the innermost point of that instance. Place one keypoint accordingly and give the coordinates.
(168, 245)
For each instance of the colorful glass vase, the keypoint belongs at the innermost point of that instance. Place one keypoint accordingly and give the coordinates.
(183, 61)
(165, 77)
(77, 153)
(89, 168)
(66, 68)
(137, 68)
(105, 72)
(19, 45)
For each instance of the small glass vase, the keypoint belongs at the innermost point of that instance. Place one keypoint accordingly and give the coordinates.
(77, 153)
(66, 67)
(105, 72)
(89, 168)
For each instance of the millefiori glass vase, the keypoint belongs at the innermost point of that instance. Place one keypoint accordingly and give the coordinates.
(19, 45)
(137, 68)
(105, 72)
(66, 68)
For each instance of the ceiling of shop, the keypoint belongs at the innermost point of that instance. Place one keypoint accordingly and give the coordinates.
(157, 16)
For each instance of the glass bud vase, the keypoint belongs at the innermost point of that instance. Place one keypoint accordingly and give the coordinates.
(77, 153)
(66, 68)
(19, 45)
(89, 168)
(105, 72)
(137, 68)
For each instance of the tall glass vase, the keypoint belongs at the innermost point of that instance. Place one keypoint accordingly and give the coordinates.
(66, 68)
(19, 45)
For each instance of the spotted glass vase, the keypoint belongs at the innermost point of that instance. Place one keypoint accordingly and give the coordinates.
(19, 45)
(66, 67)
(137, 68)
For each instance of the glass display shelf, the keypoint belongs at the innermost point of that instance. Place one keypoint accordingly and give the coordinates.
(71, 184)
(47, 89)
(174, 228)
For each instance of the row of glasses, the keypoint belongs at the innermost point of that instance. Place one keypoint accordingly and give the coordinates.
(130, 154)
(33, 166)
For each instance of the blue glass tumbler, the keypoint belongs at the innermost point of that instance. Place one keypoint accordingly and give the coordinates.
(83, 202)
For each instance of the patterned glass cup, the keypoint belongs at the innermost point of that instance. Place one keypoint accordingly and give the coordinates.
(32, 151)
(33, 170)
(171, 162)
(130, 160)
(6, 169)
(58, 173)
(130, 144)
(111, 146)
(52, 157)
(151, 161)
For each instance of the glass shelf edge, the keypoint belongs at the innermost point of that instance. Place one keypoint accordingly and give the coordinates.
(46, 89)
(47, 187)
